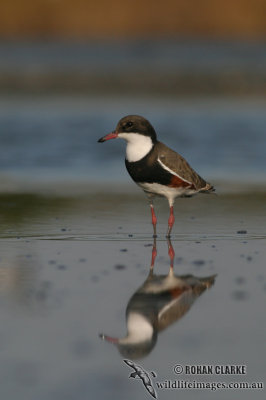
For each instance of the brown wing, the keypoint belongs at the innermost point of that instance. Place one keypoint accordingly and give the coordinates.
(176, 163)
(183, 299)
(176, 309)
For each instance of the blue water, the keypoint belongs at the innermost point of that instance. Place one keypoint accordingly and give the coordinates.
(222, 139)
(161, 55)
(60, 257)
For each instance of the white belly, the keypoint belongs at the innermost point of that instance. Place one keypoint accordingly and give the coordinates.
(168, 192)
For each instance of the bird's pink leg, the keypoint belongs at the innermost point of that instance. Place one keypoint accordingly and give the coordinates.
(153, 220)
(171, 253)
(171, 221)
(154, 253)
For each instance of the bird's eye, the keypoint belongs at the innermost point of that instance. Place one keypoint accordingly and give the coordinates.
(129, 124)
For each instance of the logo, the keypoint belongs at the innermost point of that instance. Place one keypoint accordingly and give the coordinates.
(144, 376)
(213, 384)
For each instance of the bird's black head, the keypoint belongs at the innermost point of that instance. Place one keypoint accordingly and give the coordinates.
(136, 124)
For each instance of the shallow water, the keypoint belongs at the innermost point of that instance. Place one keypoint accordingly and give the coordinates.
(75, 237)
(69, 266)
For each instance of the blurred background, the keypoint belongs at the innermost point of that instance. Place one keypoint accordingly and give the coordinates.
(70, 70)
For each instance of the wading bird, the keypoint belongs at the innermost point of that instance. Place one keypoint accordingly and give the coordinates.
(156, 168)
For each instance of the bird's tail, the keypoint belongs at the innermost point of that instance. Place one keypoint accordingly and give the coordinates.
(207, 189)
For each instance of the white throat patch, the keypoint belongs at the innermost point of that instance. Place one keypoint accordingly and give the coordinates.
(138, 146)
(139, 329)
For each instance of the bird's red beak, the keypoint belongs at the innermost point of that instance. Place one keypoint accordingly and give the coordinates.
(109, 339)
(112, 135)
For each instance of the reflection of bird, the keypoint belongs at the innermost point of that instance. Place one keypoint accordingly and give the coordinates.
(156, 168)
(161, 301)
(143, 375)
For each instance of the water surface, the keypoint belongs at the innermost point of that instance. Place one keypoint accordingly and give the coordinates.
(63, 255)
